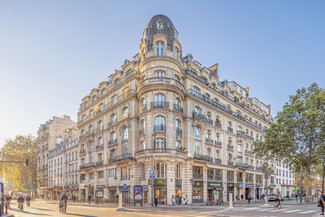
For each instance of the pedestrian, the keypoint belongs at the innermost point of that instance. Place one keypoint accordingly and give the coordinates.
(156, 201)
(241, 196)
(321, 202)
(249, 198)
(180, 200)
(165, 199)
(89, 198)
(186, 200)
(172, 200)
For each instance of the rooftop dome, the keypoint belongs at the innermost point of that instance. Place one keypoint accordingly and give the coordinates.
(160, 24)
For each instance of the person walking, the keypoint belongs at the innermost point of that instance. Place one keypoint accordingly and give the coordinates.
(172, 200)
(186, 200)
(180, 200)
(156, 201)
(89, 198)
(249, 198)
(321, 202)
(165, 199)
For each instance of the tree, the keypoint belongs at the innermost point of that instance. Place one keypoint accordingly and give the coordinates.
(20, 149)
(299, 131)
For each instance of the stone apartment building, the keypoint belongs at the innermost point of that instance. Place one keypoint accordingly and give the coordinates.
(167, 112)
(285, 178)
(50, 137)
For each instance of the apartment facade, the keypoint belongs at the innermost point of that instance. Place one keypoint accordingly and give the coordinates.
(166, 112)
(50, 137)
(285, 179)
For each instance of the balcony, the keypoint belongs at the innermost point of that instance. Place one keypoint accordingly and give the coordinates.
(123, 117)
(99, 129)
(217, 161)
(240, 133)
(111, 123)
(230, 130)
(178, 108)
(209, 141)
(142, 108)
(160, 152)
(88, 165)
(250, 167)
(123, 157)
(259, 168)
(161, 81)
(159, 105)
(230, 163)
(218, 124)
(179, 132)
(161, 128)
(201, 117)
(112, 142)
(99, 163)
(219, 144)
(230, 179)
(82, 152)
(230, 147)
(99, 147)
(141, 132)
(249, 137)
(247, 152)
(202, 157)
(241, 165)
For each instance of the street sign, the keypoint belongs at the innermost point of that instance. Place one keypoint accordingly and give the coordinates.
(152, 174)
(124, 186)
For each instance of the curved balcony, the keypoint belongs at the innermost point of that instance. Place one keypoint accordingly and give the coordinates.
(161, 81)
(160, 152)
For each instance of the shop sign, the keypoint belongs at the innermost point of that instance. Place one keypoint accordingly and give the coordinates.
(112, 188)
(178, 182)
(198, 184)
(258, 185)
(89, 186)
(249, 185)
(81, 186)
(149, 181)
(230, 185)
(160, 182)
(145, 188)
(100, 186)
(124, 189)
(214, 184)
(239, 185)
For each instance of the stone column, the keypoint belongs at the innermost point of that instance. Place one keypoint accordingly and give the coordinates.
(170, 181)
(205, 184)
(225, 185)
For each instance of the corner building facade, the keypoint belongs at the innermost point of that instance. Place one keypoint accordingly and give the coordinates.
(166, 112)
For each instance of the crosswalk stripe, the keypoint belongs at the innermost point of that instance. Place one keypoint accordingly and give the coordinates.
(295, 210)
(263, 210)
(251, 208)
(278, 210)
(310, 211)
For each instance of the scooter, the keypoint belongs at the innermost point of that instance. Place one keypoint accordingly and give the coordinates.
(63, 207)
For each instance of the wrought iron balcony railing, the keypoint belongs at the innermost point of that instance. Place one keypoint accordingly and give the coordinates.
(161, 128)
(159, 105)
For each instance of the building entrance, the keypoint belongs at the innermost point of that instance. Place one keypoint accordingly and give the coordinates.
(161, 193)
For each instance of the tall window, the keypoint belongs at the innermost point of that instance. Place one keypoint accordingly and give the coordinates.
(197, 110)
(112, 154)
(160, 74)
(125, 133)
(161, 170)
(100, 141)
(176, 53)
(125, 110)
(160, 143)
(160, 48)
(113, 118)
(100, 125)
(196, 91)
(113, 136)
(197, 133)
(125, 173)
(143, 124)
(178, 124)
(100, 157)
(177, 102)
(197, 147)
(125, 148)
(178, 171)
(160, 98)
(114, 99)
(160, 121)
(178, 145)
(143, 145)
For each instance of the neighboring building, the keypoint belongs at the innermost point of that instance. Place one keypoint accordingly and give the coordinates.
(48, 136)
(166, 112)
(285, 179)
(71, 169)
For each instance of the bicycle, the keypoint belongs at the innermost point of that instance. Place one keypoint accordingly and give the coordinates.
(277, 205)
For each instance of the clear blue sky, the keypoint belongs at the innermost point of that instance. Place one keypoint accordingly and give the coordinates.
(52, 53)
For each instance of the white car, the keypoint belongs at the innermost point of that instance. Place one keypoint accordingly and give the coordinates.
(272, 197)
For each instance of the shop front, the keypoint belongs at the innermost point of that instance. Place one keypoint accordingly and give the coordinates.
(249, 190)
(112, 194)
(99, 193)
(91, 191)
(239, 191)
(160, 190)
(197, 194)
(258, 191)
(178, 187)
(125, 193)
(215, 190)
(230, 189)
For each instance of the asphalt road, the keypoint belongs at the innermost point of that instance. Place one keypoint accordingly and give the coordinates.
(43, 208)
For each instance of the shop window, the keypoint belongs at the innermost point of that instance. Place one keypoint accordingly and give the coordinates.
(178, 171)
(197, 172)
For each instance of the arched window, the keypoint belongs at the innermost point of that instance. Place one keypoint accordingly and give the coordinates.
(177, 78)
(125, 110)
(100, 125)
(197, 133)
(90, 129)
(178, 124)
(209, 115)
(160, 124)
(143, 124)
(100, 141)
(208, 134)
(177, 102)
(103, 92)
(160, 48)
(113, 136)
(114, 99)
(125, 133)
(197, 110)
(143, 145)
(82, 132)
(94, 98)
(101, 107)
(113, 118)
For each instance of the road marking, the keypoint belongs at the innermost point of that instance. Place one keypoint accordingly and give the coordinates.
(278, 210)
(251, 208)
(295, 210)
(310, 211)
(263, 210)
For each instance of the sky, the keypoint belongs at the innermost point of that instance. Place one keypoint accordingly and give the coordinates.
(52, 53)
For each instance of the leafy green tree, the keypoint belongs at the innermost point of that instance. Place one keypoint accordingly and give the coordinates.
(299, 131)
(19, 149)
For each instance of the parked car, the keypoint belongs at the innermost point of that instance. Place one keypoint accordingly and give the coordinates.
(273, 196)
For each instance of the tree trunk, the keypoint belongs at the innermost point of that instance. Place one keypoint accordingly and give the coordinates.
(307, 182)
(323, 175)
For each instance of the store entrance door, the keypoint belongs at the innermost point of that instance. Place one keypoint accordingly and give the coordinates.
(161, 193)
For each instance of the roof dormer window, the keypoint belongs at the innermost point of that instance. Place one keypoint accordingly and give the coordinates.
(159, 24)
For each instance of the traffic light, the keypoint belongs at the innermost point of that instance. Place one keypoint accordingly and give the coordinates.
(26, 162)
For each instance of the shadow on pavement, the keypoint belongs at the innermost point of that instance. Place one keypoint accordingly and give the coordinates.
(43, 209)
(80, 215)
